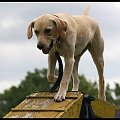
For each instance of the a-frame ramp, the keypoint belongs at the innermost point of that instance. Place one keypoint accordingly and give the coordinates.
(42, 105)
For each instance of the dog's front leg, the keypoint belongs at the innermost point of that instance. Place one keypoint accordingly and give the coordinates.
(69, 62)
(51, 67)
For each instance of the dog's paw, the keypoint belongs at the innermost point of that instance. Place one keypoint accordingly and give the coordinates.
(51, 78)
(75, 89)
(60, 96)
(102, 97)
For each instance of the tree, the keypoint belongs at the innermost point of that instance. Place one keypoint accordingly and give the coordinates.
(117, 93)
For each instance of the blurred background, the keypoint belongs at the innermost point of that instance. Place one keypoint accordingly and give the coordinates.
(23, 66)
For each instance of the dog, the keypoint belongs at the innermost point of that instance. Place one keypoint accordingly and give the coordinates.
(70, 36)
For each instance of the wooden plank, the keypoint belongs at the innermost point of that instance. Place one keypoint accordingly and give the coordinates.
(36, 110)
(49, 95)
(43, 104)
(103, 109)
(35, 103)
(45, 114)
(28, 102)
(31, 114)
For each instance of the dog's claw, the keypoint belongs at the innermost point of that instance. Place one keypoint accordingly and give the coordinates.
(59, 100)
(59, 97)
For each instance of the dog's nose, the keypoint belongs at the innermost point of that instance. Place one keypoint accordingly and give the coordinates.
(40, 45)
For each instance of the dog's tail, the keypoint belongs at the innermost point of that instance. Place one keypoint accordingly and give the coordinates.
(86, 10)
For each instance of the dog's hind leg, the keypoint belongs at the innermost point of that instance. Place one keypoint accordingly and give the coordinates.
(75, 74)
(96, 49)
(75, 78)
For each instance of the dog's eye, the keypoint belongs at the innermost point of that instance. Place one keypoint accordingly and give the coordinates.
(47, 30)
(36, 32)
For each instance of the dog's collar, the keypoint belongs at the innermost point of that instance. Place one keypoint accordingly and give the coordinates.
(58, 40)
(55, 15)
(57, 44)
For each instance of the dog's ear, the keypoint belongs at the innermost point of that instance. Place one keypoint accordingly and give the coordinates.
(61, 26)
(29, 31)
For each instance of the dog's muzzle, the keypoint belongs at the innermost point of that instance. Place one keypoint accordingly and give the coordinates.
(45, 49)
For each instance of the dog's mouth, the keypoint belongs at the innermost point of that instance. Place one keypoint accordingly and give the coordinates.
(45, 49)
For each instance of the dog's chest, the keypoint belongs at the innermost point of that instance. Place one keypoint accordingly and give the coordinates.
(61, 48)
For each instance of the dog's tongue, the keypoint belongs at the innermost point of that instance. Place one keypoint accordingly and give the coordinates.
(45, 50)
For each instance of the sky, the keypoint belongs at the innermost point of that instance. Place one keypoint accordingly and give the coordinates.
(18, 55)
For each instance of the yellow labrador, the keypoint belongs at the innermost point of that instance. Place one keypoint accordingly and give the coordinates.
(71, 36)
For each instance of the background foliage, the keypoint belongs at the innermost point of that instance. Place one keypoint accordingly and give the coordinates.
(37, 81)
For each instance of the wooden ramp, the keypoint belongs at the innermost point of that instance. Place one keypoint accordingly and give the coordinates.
(42, 105)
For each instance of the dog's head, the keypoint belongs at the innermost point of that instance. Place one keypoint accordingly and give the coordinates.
(48, 29)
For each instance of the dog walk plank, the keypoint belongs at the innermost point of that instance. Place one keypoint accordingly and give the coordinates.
(42, 105)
